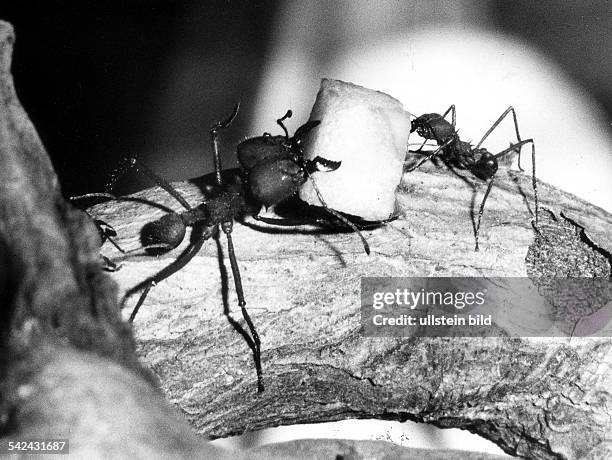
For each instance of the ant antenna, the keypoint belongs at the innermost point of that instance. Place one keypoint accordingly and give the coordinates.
(227, 122)
(133, 162)
(214, 136)
(161, 247)
(339, 216)
(289, 114)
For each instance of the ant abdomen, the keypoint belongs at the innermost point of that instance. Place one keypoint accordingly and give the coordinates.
(163, 234)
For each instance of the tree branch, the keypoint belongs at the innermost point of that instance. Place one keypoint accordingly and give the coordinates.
(547, 398)
(533, 397)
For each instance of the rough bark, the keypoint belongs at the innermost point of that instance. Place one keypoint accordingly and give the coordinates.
(545, 398)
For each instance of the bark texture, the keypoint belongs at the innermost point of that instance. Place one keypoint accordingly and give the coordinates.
(544, 398)
(540, 397)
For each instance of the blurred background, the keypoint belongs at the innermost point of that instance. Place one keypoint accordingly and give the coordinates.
(106, 80)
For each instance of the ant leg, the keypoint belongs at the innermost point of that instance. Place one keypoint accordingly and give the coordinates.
(227, 229)
(453, 114)
(182, 260)
(291, 222)
(431, 155)
(337, 215)
(214, 139)
(510, 109)
(420, 148)
(534, 181)
(426, 159)
(285, 222)
(481, 210)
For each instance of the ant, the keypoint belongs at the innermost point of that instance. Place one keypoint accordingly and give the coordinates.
(463, 155)
(273, 169)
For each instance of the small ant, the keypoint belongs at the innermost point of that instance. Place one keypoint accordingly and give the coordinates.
(457, 153)
(273, 169)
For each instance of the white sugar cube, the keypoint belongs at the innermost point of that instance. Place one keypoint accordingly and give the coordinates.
(368, 132)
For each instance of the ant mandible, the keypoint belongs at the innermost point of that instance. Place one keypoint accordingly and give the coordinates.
(460, 154)
(273, 169)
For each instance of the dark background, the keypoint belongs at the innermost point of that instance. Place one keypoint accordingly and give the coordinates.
(100, 80)
(90, 75)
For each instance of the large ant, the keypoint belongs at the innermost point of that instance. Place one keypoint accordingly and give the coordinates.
(273, 169)
(457, 153)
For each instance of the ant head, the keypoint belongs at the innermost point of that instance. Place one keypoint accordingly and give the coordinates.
(261, 149)
(423, 121)
(423, 125)
(267, 148)
(433, 126)
(273, 181)
(416, 124)
(274, 165)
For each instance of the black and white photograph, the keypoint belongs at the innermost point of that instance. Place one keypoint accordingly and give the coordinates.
(345, 229)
